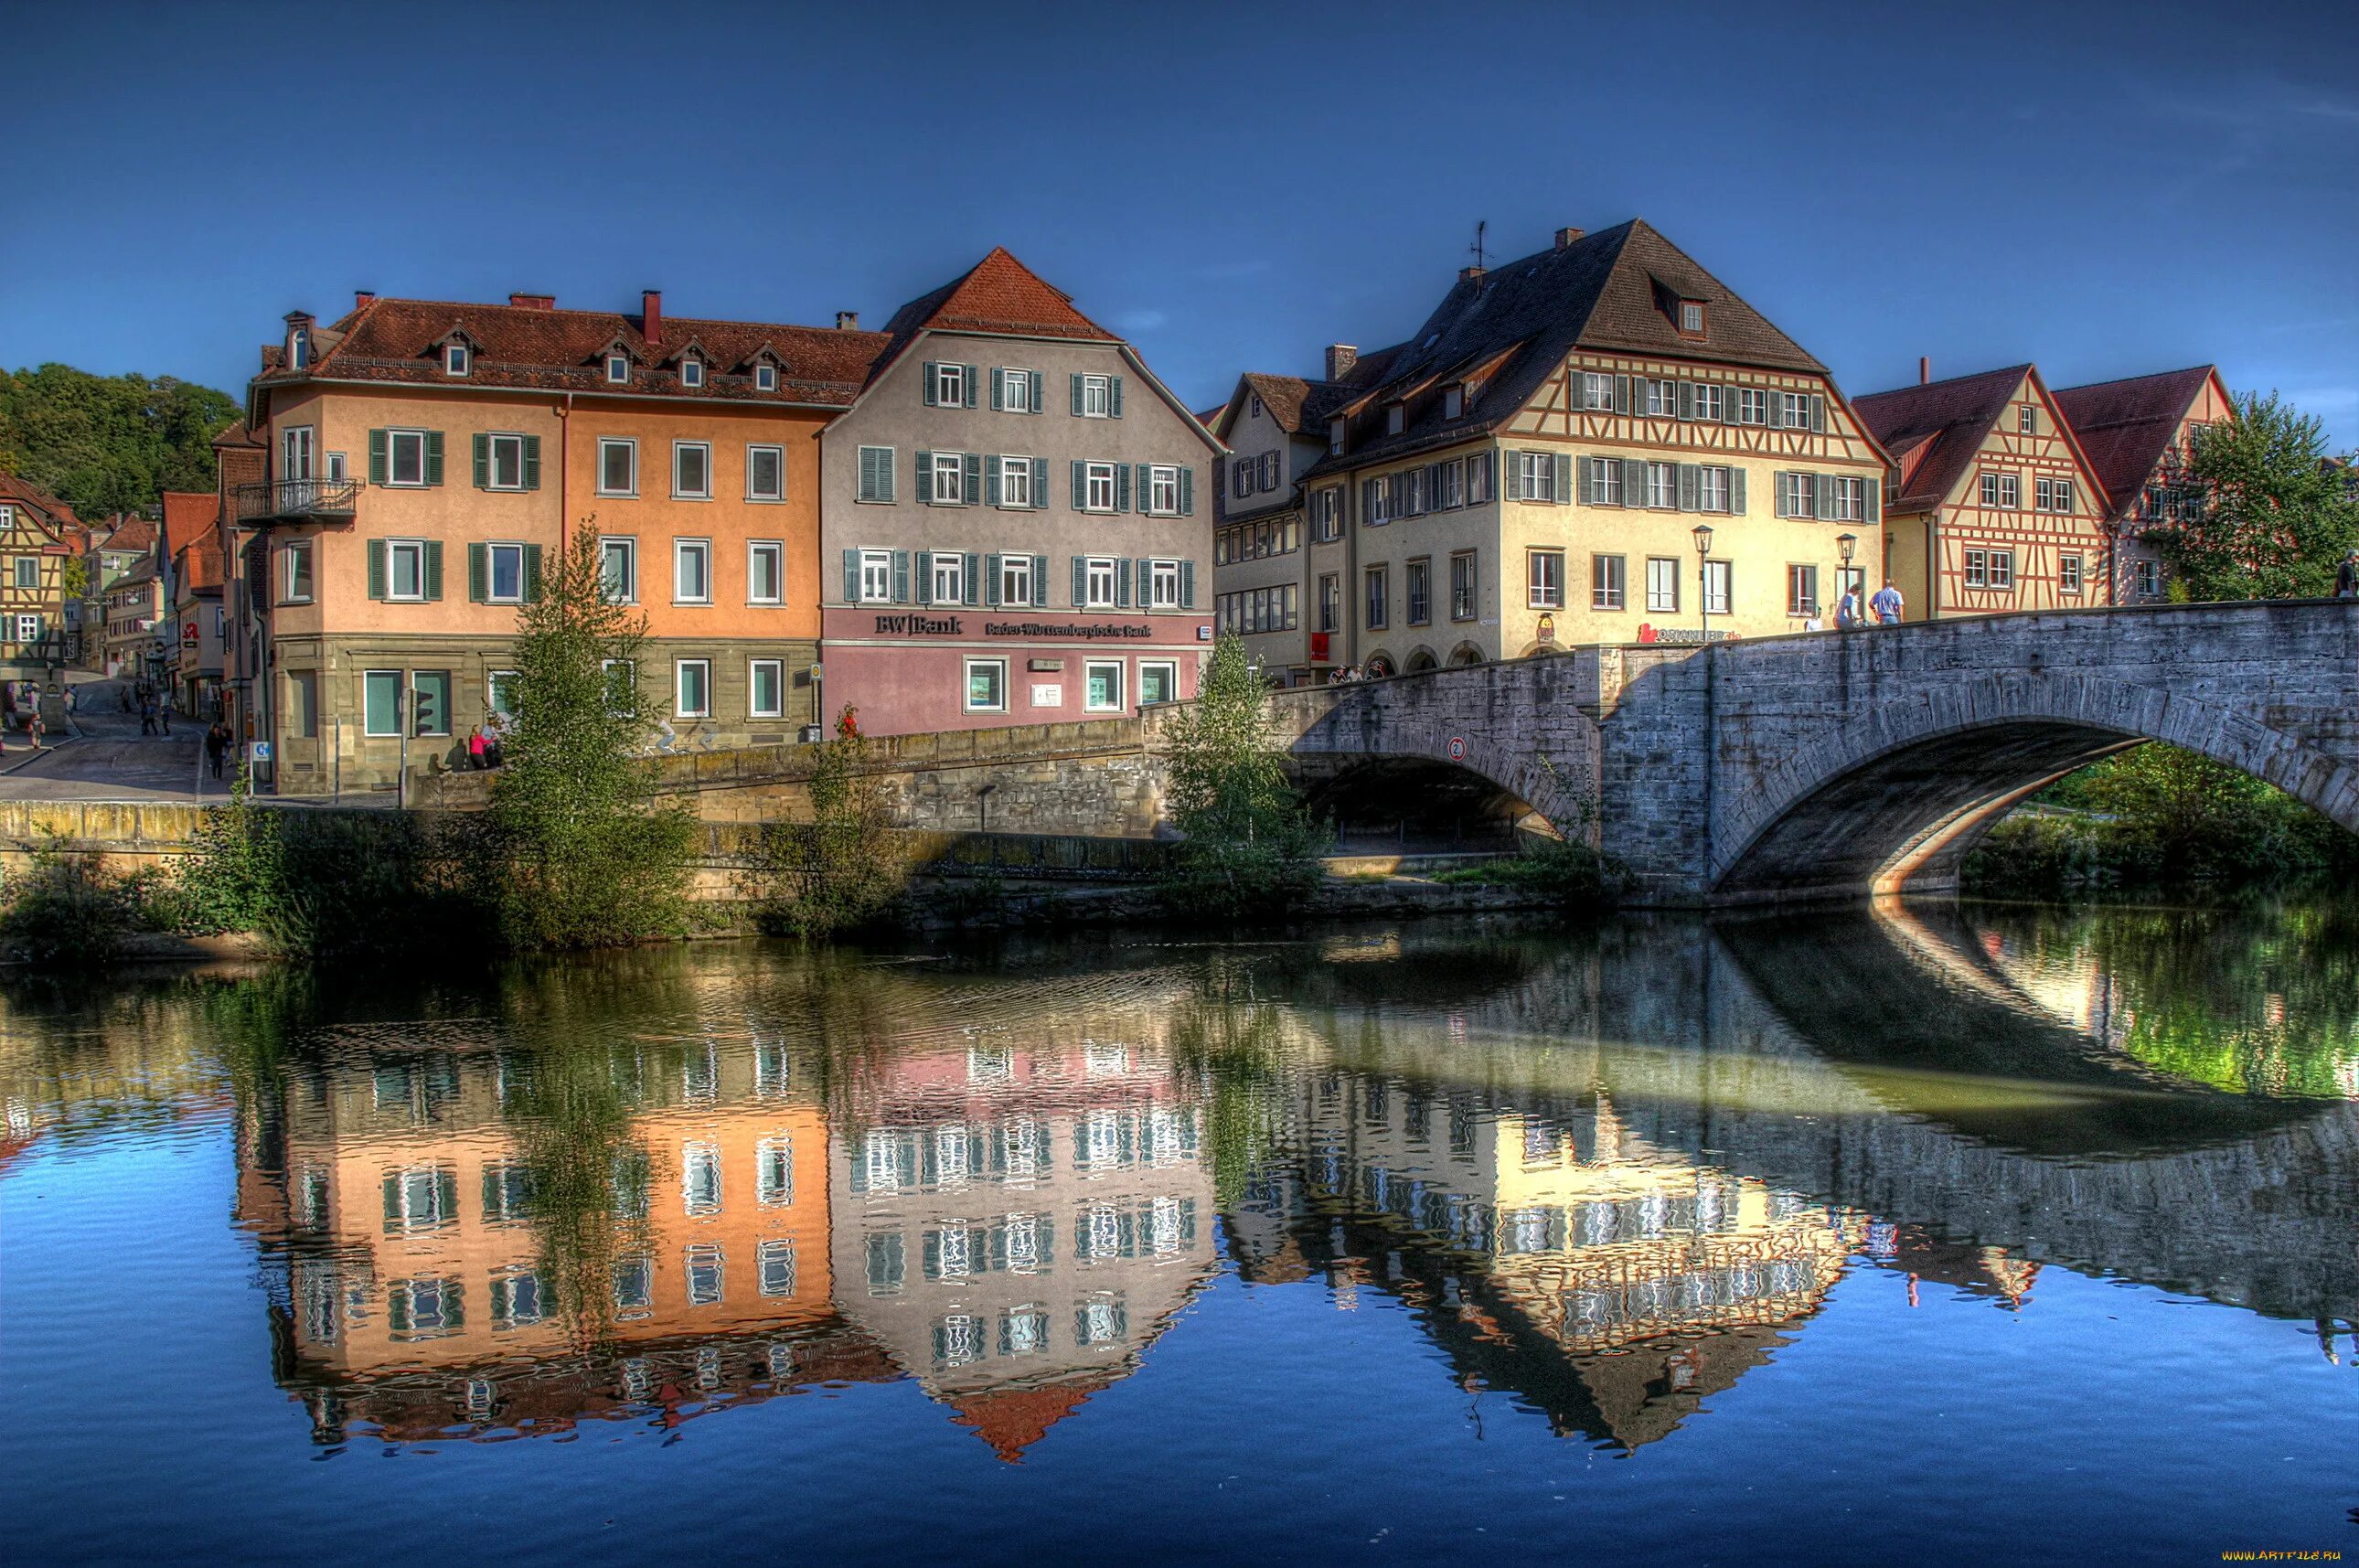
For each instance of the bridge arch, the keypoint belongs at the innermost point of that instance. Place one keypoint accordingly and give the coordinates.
(1899, 795)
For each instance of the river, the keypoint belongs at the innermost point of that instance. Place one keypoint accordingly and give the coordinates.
(2010, 1232)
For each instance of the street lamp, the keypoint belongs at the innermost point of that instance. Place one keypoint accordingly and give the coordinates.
(1704, 587)
(1847, 545)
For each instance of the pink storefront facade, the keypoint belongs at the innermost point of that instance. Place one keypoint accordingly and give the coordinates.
(909, 668)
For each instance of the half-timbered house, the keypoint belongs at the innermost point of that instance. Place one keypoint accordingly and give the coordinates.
(2139, 434)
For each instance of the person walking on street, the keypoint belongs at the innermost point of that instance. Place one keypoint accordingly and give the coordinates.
(33, 727)
(124, 693)
(147, 716)
(1848, 615)
(164, 711)
(1887, 604)
(2346, 577)
(216, 746)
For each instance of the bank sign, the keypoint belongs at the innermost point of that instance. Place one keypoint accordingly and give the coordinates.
(1064, 631)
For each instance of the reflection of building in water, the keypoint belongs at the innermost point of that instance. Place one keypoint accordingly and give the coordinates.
(1616, 1284)
(449, 1257)
(1015, 1223)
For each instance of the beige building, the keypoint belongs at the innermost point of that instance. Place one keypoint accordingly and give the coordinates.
(1598, 442)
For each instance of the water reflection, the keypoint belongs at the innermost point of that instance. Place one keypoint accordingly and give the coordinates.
(1610, 1173)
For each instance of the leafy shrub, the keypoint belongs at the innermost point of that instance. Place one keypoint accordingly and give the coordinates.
(1250, 848)
(1567, 873)
(839, 870)
(64, 911)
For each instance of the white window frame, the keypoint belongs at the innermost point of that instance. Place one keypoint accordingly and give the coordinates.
(681, 708)
(1376, 597)
(491, 594)
(611, 546)
(629, 447)
(2001, 572)
(1162, 499)
(1850, 495)
(2026, 422)
(1752, 404)
(456, 359)
(877, 566)
(1606, 480)
(753, 708)
(1710, 403)
(777, 550)
(691, 371)
(393, 442)
(1536, 476)
(1100, 574)
(1015, 391)
(1662, 400)
(1170, 671)
(1014, 474)
(2145, 578)
(618, 369)
(1597, 391)
(1014, 569)
(1121, 686)
(1794, 410)
(1692, 316)
(684, 550)
(2069, 573)
(751, 453)
(1662, 486)
(1719, 587)
(765, 378)
(1092, 476)
(1097, 397)
(295, 551)
(395, 548)
(1609, 587)
(680, 449)
(949, 465)
(1544, 580)
(998, 667)
(950, 386)
(946, 578)
(1663, 584)
(1161, 574)
(1713, 488)
(493, 682)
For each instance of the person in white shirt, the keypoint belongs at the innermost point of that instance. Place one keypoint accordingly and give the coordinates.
(1886, 605)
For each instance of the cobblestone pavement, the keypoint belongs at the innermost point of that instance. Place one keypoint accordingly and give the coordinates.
(110, 759)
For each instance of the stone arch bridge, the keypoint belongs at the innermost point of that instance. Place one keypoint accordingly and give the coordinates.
(1823, 764)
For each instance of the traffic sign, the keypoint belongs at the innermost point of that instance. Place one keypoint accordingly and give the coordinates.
(1457, 748)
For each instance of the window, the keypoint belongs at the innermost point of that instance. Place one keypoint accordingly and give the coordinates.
(774, 1171)
(1662, 400)
(1663, 485)
(1016, 391)
(1094, 397)
(500, 461)
(504, 573)
(1330, 602)
(691, 371)
(621, 681)
(1545, 579)
(692, 571)
(500, 692)
(1597, 390)
(1717, 588)
(1461, 587)
(1692, 317)
(946, 579)
(1326, 514)
(776, 1261)
(1098, 582)
(2003, 491)
(405, 457)
(2147, 574)
(765, 572)
(1102, 686)
(1377, 598)
(454, 358)
(298, 349)
(618, 466)
(1158, 681)
(404, 569)
(380, 701)
(694, 686)
(875, 576)
(1449, 484)
(1752, 406)
(618, 368)
(950, 389)
(2002, 568)
(1990, 568)
(1163, 491)
(1709, 400)
(766, 688)
(1453, 402)
(876, 474)
(1605, 481)
(1015, 580)
(2026, 421)
(294, 573)
(1240, 476)
(1392, 420)
(986, 685)
(1607, 583)
(618, 569)
(429, 702)
(1163, 580)
(707, 1270)
(1015, 482)
(766, 379)
(945, 478)
(1711, 489)
(691, 471)
(1478, 478)
(1535, 476)
(1662, 585)
(2068, 573)
(1801, 589)
(1417, 585)
(1097, 489)
(765, 474)
(336, 470)
(1849, 497)
(2053, 494)
(303, 704)
(1798, 496)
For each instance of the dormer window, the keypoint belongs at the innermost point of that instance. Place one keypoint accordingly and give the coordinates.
(1691, 317)
(455, 358)
(691, 371)
(618, 368)
(1335, 435)
(1453, 402)
(298, 349)
(765, 378)
(1392, 420)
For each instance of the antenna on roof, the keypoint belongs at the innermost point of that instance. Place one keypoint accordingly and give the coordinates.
(1482, 228)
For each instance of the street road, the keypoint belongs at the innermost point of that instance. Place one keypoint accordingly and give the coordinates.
(112, 760)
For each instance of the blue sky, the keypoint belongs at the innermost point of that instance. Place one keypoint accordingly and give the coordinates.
(2107, 188)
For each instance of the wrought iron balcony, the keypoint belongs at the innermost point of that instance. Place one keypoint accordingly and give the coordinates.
(298, 500)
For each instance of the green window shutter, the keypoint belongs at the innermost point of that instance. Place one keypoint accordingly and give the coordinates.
(1634, 481)
(532, 462)
(1122, 583)
(1778, 493)
(1121, 488)
(929, 384)
(478, 568)
(971, 479)
(925, 577)
(924, 494)
(377, 562)
(531, 572)
(1076, 395)
(482, 460)
(1187, 585)
(1687, 400)
(1728, 405)
(866, 491)
(991, 483)
(970, 386)
(1621, 394)
(1560, 469)
(991, 564)
(1872, 492)
(1776, 408)
(1511, 490)
(851, 577)
(1040, 479)
(1080, 485)
(376, 457)
(1080, 581)
(1588, 467)
(973, 569)
(1817, 414)
(1114, 397)
(900, 577)
(1040, 581)
(1735, 492)
(1823, 495)
(434, 457)
(434, 568)
(1188, 492)
(1040, 388)
(998, 389)
(1690, 486)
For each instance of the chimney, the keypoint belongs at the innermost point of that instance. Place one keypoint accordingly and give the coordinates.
(363, 297)
(847, 321)
(1924, 370)
(1340, 357)
(651, 315)
(533, 301)
(1567, 238)
(1473, 274)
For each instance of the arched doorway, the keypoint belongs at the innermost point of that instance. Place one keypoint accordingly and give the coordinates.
(1379, 666)
(1465, 655)
(1421, 660)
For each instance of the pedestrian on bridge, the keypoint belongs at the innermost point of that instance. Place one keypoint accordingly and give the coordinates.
(1850, 614)
(1886, 605)
(2346, 577)
(146, 714)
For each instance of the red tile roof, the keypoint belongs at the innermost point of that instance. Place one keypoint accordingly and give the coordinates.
(131, 533)
(1941, 426)
(2126, 426)
(1013, 1419)
(187, 515)
(24, 492)
(998, 294)
(565, 351)
(198, 565)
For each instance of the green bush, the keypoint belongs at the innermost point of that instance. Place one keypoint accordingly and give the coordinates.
(839, 871)
(1567, 873)
(64, 911)
(1250, 849)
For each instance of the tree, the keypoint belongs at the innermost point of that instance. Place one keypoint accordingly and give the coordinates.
(1250, 846)
(580, 851)
(105, 445)
(839, 870)
(2277, 519)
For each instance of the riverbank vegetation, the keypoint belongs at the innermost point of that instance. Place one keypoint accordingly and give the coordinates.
(1249, 848)
(840, 871)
